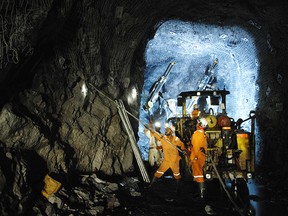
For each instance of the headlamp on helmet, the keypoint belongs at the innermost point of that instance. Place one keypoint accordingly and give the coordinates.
(168, 125)
(157, 124)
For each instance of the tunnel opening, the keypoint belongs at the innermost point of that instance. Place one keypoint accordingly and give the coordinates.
(191, 56)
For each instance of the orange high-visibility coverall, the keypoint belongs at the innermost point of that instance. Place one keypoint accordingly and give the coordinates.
(171, 155)
(197, 157)
(196, 113)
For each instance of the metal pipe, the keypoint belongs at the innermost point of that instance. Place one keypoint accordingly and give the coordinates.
(128, 128)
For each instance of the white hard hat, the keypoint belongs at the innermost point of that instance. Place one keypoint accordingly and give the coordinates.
(169, 125)
(195, 106)
(202, 122)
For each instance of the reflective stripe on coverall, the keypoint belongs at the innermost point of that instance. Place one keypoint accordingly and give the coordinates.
(171, 155)
(197, 157)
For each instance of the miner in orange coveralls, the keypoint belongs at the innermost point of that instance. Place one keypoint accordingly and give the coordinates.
(170, 145)
(198, 153)
(196, 112)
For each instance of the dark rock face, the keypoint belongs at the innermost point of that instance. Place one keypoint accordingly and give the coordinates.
(63, 63)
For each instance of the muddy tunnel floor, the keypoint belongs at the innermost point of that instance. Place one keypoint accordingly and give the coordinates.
(163, 198)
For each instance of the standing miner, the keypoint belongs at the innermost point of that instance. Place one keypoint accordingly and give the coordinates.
(170, 144)
(198, 153)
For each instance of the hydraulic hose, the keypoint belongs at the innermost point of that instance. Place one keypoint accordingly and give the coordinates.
(224, 187)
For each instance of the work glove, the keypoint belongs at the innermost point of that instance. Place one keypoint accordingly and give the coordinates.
(202, 150)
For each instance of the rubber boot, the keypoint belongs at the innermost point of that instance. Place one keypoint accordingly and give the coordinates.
(177, 185)
(154, 179)
(202, 189)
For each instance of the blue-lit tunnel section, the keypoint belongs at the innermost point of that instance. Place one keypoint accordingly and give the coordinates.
(201, 57)
(184, 59)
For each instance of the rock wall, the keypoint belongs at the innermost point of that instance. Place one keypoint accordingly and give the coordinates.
(80, 48)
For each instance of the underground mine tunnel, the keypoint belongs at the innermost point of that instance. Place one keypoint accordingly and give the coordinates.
(80, 80)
